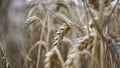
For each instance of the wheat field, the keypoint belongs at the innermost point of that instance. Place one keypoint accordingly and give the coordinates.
(59, 34)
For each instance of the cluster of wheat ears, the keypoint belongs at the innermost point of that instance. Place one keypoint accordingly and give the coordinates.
(72, 34)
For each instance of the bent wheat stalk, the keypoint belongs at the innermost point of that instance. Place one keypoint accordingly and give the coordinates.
(54, 48)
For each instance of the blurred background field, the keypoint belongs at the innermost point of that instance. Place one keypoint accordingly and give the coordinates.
(59, 34)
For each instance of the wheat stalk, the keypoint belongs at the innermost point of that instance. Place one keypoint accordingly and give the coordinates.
(59, 36)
